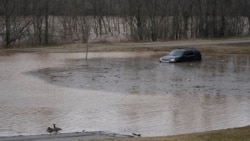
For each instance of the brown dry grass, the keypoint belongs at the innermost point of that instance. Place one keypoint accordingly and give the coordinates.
(205, 49)
(226, 49)
(233, 48)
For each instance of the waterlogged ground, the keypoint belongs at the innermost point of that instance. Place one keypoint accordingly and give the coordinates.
(122, 93)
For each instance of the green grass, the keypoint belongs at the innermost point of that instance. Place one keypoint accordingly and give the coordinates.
(236, 134)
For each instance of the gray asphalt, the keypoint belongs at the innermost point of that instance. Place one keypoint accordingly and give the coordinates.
(65, 136)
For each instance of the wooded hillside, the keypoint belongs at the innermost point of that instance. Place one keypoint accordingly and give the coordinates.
(39, 22)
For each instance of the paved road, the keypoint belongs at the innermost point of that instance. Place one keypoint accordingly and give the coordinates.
(65, 136)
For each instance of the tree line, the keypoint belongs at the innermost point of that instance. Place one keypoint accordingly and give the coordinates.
(43, 22)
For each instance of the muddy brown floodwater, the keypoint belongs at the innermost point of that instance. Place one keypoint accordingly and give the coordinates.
(122, 93)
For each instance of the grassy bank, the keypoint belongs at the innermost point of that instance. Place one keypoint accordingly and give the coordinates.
(226, 49)
(207, 49)
(232, 46)
(236, 134)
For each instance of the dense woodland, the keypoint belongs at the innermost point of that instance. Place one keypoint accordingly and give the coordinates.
(44, 22)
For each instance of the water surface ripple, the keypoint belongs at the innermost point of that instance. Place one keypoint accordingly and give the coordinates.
(122, 93)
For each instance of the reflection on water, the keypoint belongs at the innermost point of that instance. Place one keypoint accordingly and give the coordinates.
(111, 92)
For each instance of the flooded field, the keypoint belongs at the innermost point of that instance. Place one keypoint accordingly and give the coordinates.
(122, 93)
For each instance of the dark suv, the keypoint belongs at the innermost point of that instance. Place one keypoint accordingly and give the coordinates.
(182, 55)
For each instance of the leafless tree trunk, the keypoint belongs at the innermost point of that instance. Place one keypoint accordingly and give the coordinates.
(15, 26)
(37, 21)
(8, 7)
(46, 16)
(139, 20)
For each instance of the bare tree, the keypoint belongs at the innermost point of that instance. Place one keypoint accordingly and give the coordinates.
(15, 20)
(43, 21)
(246, 11)
(37, 21)
(46, 17)
(85, 28)
(84, 24)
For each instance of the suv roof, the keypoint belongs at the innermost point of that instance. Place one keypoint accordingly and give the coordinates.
(194, 50)
(184, 49)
